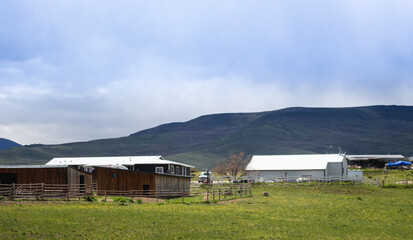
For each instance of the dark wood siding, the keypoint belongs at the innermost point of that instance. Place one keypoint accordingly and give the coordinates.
(123, 180)
(62, 175)
(150, 167)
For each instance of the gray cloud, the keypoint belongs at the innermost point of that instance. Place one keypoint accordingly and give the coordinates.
(72, 71)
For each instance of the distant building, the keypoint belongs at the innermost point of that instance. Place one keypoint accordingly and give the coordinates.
(372, 161)
(293, 167)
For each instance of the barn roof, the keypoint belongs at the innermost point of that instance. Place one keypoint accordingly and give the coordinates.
(34, 166)
(113, 161)
(292, 162)
(372, 156)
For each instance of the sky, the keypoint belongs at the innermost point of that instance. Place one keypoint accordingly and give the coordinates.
(83, 70)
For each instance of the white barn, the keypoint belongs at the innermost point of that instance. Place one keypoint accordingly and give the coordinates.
(293, 167)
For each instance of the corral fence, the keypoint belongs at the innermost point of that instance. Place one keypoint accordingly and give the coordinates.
(228, 179)
(41, 191)
(218, 193)
(386, 182)
(209, 193)
(379, 181)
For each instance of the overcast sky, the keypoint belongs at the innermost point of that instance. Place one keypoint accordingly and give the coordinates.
(83, 70)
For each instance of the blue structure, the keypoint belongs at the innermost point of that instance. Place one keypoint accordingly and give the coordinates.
(399, 163)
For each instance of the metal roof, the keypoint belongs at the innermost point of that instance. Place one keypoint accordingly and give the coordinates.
(370, 157)
(34, 166)
(292, 162)
(120, 160)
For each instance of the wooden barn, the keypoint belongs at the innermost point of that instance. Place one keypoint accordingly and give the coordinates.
(151, 174)
(127, 180)
(47, 174)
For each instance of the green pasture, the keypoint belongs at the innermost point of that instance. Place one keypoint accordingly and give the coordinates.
(326, 211)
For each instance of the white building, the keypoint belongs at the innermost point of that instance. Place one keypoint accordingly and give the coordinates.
(293, 167)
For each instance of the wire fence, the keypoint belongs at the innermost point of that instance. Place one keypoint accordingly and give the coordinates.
(389, 182)
(379, 181)
(303, 179)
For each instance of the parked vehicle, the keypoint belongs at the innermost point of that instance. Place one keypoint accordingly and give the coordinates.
(205, 177)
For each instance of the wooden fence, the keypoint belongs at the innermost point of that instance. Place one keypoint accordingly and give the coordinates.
(43, 191)
(218, 193)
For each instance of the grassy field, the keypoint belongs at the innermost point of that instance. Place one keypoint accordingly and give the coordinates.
(289, 212)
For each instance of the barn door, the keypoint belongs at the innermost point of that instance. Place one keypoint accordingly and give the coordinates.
(82, 181)
(145, 189)
(8, 178)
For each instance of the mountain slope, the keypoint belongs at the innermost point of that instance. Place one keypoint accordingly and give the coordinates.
(6, 143)
(204, 140)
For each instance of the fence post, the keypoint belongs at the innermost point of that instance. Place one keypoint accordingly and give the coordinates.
(156, 195)
(42, 193)
(12, 191)
(213, 195)
(407, 182)
(68, 192)
(106, 197)
(182, 195)
(230, 190)
(207, 195)
(250, 190)
(219, 194)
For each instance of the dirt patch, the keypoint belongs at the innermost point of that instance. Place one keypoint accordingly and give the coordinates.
(147, 200)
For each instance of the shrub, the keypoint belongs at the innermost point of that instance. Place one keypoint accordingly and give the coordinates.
(122, 199)
(90, 198)
(139, 201)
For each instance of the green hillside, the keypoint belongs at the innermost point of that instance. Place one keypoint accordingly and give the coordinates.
(204, 140)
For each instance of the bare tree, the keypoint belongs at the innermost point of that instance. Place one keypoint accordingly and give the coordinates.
(233, 166)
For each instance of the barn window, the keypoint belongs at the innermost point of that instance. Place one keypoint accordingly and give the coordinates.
(113, 175)
(172, 169)
(159, 169)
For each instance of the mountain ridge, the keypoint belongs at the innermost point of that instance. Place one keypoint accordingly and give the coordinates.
(6, 143)
(203, 140)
